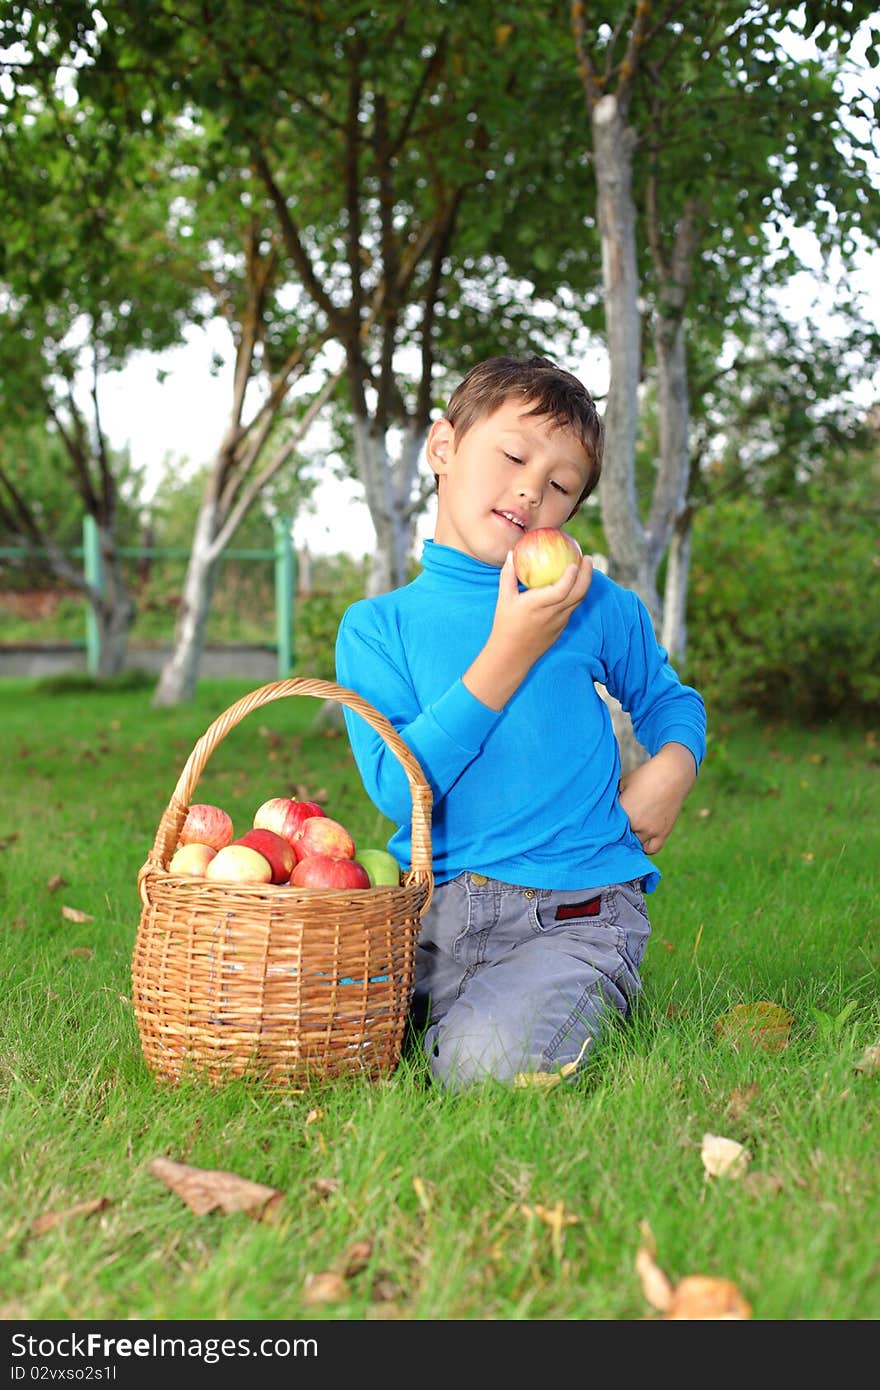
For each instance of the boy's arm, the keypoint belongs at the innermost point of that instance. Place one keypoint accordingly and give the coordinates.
(653, 794)
(525, 626)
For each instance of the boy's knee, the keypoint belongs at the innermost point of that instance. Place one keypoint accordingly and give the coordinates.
(463, 1054)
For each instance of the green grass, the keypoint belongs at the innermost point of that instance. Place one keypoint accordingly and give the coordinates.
(769, 892)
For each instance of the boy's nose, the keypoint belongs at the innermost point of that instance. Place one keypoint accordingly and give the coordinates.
(529, 490)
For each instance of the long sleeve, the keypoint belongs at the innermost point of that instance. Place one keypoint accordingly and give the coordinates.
(662, 709)
(445, 736)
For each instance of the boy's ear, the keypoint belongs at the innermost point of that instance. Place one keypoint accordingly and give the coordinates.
(439, 444)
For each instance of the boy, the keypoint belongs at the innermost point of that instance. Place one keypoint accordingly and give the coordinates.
(534, 937)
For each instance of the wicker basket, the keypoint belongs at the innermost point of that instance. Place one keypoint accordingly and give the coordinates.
(283, 984)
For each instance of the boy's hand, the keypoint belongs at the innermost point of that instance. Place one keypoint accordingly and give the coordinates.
(526, 624)
(652, 795)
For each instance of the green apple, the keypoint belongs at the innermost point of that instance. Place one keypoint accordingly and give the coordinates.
(381, 867)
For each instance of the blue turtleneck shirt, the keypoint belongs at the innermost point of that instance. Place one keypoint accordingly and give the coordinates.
(527, 794)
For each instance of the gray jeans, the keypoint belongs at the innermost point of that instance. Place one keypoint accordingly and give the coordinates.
(511, 979)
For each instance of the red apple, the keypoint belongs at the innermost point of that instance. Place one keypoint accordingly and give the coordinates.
(542, 556)
(207, 825)
(239, 864)
(321, 871)
(192, 859)
(323, 835)
(285, 815)
(275, 848)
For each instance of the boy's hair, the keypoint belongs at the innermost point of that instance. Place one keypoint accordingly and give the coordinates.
(549, 389)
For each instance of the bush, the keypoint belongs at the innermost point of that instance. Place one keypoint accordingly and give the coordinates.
(782, 612)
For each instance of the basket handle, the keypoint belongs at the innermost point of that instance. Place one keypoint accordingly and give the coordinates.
(175, 812)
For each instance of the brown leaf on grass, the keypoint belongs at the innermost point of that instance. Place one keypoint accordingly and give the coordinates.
(357, 1257)
(697, 1296)
(762, 1024)
(74, 914)
(81, 952)
(325, 1287)
(48, 1220)
(740, 1099)
(870, 1059)
(55, 882)
(762, 1184)
(325, 1187)
(10, 839)
(203, 1189)
(723, 1158)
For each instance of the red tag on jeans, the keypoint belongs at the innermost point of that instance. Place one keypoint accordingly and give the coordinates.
(590, 908)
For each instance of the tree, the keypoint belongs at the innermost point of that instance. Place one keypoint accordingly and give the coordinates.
(86, 279)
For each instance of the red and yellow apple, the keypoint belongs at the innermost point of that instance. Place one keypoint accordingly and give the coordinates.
(542, 556)
(275, 848)
(322, 871)
(206, 825)
(239, 864)
(192, 859)
(285, 815)
(323, 835)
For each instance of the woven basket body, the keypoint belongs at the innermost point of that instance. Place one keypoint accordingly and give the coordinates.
(286, 985)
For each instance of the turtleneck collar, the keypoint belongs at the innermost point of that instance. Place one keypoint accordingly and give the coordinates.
(448, 565)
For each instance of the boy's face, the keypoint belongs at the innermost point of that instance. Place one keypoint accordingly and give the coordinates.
(509, 473)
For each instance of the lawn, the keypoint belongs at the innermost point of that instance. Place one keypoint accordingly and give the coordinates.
(396, 1202)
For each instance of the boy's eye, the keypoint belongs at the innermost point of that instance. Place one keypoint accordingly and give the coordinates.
(560, 488)
(513, 458)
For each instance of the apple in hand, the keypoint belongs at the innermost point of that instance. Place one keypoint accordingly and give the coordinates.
(192, 859)
(275, 848)
(321, 871)
(239, 864)
(323, 835)
(542, 556)
(381, 866)
(285, 815)
(206, 825)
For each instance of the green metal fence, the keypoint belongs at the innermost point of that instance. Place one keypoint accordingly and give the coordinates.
(282, 553)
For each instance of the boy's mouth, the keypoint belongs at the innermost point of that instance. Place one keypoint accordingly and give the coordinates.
(514, 518)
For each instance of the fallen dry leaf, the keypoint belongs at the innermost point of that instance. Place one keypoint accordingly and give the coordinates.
(699, 1296)
(55, 882)
(545, 1080)
(724, 1158)
(655, 1285)
(203, 1189)
(870, 1059)
(556, 1217)
(357, 1257)
(696, 1296)
(762, 1024)
(325, 1186)
(48, 1220)
(73, 914)
(325, 1287)
(762, 1184)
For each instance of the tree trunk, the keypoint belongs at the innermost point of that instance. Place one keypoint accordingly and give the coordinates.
(114, 612)
(613, 144)
(388, 486)
(674, 635)
(179, 676)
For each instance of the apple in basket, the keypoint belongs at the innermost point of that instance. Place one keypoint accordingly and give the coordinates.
(381, 866)
(191, 859)
(275, 848)
(323, 835)
(542, 556)
(206, 825)
(321, 871)
(239, 864)
(285, 815)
